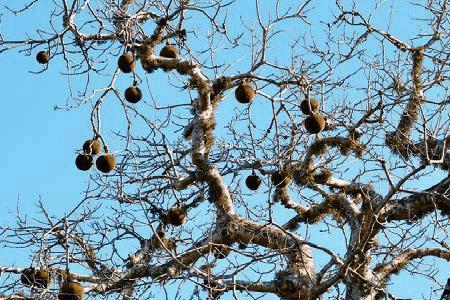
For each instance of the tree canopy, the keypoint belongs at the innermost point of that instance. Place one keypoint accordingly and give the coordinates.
(242, 149)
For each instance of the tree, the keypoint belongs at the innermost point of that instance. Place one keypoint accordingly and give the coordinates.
(307, 152)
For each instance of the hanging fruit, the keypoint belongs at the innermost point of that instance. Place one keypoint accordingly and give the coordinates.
(126, 63)
(314, 124)
(253, 182)
(42, 57)
(92, 147)
(169, 51)
(84, 162)
(244, 94)
(133, 94)
(106, 163)
(309, 107)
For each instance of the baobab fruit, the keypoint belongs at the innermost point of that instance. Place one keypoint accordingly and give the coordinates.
(253, 182)
(71, 290)
(41, 278)
(42, 57)
(176, 216)
(126, 63)
(309, 107)
(314, 123)
(84, 162)
(169, 51)
(279, 180)
(244, 94)
(27, 276)
(105, 163)
(92, 147)
(133, 94)
(36, 278)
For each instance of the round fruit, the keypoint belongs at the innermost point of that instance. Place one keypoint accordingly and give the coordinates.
(105, 163)
(27, 276)
(126, 63)
(244, 93)
(176, 216)
(71, 291)
(92, 147)
(42, 57)
(41, 278)
(169, 51)
(253, 182)
(314, 124)
(37, 278)
(133, 94)
(279, 180)
(309, 107)
(84, 162)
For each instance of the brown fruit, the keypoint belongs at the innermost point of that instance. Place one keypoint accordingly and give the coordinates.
(71, 291)
(279, 180)
(309, 107)
(35, 277)
(27, 276)
(314, 124)
(84, 162)
(133, 94)
(41, 278)
(105, 163)
(176, 216)
(253, 182)
(169, 51)
(92, 147)
(244, 93)
(126, 63)
(42, 57)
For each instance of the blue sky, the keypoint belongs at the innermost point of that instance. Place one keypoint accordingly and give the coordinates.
(40, 143)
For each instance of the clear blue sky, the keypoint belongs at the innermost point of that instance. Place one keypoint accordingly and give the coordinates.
(39, 144)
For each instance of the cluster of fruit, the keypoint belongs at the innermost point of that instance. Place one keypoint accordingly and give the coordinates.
(40, 278)
(314, 124)
(127, 64)
(280, 180)
(244, 94)
(105, 163)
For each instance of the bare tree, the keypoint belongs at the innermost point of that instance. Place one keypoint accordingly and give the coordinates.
(310, 155)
